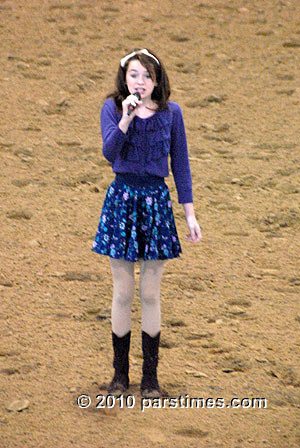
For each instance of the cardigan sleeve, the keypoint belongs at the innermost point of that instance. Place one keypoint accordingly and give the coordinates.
(179, 157)
(112, 136)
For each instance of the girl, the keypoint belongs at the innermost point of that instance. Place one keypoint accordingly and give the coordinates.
(140, 129)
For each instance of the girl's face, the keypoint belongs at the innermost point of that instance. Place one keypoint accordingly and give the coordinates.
(138, 79)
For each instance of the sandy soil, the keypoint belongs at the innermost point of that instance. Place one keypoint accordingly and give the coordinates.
(231, 303)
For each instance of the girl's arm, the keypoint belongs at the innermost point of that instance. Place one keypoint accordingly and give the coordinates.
(179, 157)
(112, 136)
(113, 129)
(182, 174)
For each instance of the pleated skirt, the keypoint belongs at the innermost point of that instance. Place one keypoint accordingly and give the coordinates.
(137, 220)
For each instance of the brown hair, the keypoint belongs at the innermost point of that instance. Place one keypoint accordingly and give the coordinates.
(161, 92)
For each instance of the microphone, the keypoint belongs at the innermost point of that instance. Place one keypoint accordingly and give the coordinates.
(131, 107)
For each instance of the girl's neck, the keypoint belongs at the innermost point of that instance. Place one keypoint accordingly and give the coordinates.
(147, 109)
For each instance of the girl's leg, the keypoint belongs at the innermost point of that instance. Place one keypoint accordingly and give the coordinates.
(149, 288)
(150, 277)
(123, 293)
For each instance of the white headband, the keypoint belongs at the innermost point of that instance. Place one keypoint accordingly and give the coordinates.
(144, 51)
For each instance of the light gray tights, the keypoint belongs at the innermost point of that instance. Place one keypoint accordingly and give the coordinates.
(123, 293)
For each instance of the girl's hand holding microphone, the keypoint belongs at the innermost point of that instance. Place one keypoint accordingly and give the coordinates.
(135, 100)
(129, 106)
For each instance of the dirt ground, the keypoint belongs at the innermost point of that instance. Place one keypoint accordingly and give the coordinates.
(230, 304)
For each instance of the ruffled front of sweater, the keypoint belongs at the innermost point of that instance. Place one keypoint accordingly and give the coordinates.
(153, 134)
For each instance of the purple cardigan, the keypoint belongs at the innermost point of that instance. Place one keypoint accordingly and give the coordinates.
(144, 149)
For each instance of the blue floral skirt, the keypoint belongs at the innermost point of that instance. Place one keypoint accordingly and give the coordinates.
(137, 220)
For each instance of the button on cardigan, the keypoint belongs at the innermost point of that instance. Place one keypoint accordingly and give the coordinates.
(145, 148)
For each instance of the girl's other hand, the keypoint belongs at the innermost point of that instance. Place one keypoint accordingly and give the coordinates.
(195, 231)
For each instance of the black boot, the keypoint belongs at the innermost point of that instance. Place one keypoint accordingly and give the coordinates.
(120, 381)
(149, 384)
